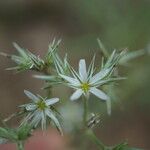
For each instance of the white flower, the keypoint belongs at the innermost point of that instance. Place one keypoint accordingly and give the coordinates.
(39, 110)
(84, 82)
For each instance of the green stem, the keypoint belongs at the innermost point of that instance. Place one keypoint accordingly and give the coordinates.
(49, 92)
(94, 139)
(20, 146)
(89, 132)
(85, 114)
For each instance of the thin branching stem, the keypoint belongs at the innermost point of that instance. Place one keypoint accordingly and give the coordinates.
(20, 145)
(90, 134)
(85, 113)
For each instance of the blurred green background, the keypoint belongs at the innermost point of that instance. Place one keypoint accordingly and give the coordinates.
(119, 24)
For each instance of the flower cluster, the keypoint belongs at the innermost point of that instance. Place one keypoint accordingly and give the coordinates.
(28, 61)
(40, 111)
(85, 81)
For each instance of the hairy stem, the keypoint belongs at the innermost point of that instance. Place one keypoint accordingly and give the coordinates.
(85, 114)
(95, 140)
(20, 146)
(49, 92)
(88, 131)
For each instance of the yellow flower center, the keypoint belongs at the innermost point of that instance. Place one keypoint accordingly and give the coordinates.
(85, 87)
(41, 105)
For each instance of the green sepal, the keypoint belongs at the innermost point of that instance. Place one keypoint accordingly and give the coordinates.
(8, 133)
(24, 132)
(15, 134)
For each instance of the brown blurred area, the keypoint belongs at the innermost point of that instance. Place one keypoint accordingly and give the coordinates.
(34, 23)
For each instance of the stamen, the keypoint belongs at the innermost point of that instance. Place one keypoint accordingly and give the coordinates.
(85, 87)
(41, 105)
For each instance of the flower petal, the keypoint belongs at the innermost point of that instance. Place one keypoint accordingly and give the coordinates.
(82, 70)
(76, 94)
(27, 118)
(36, 118)
(50, 114)
(43, 121)
(99, 93)
(31, 96)
(30, 107)
(91, 68)
(51, 101)
(73, 81)
(100, 75)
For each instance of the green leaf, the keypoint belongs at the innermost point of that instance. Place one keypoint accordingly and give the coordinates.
(17, 59)
(46, 77)
(130, 56)
(103, 49)
(8, 133)
(124, 146)
(114, 58)
(21, 51)
(52, 51)
(3, 132)
(24, 132)
(15, 134)
(53, 46)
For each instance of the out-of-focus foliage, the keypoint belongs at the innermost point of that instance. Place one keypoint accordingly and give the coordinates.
(14, 135)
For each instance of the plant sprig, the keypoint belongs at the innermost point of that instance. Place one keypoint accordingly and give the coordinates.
(57, 71)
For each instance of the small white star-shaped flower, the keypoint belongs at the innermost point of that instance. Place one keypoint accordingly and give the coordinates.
(39, 110)
(85, 82)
